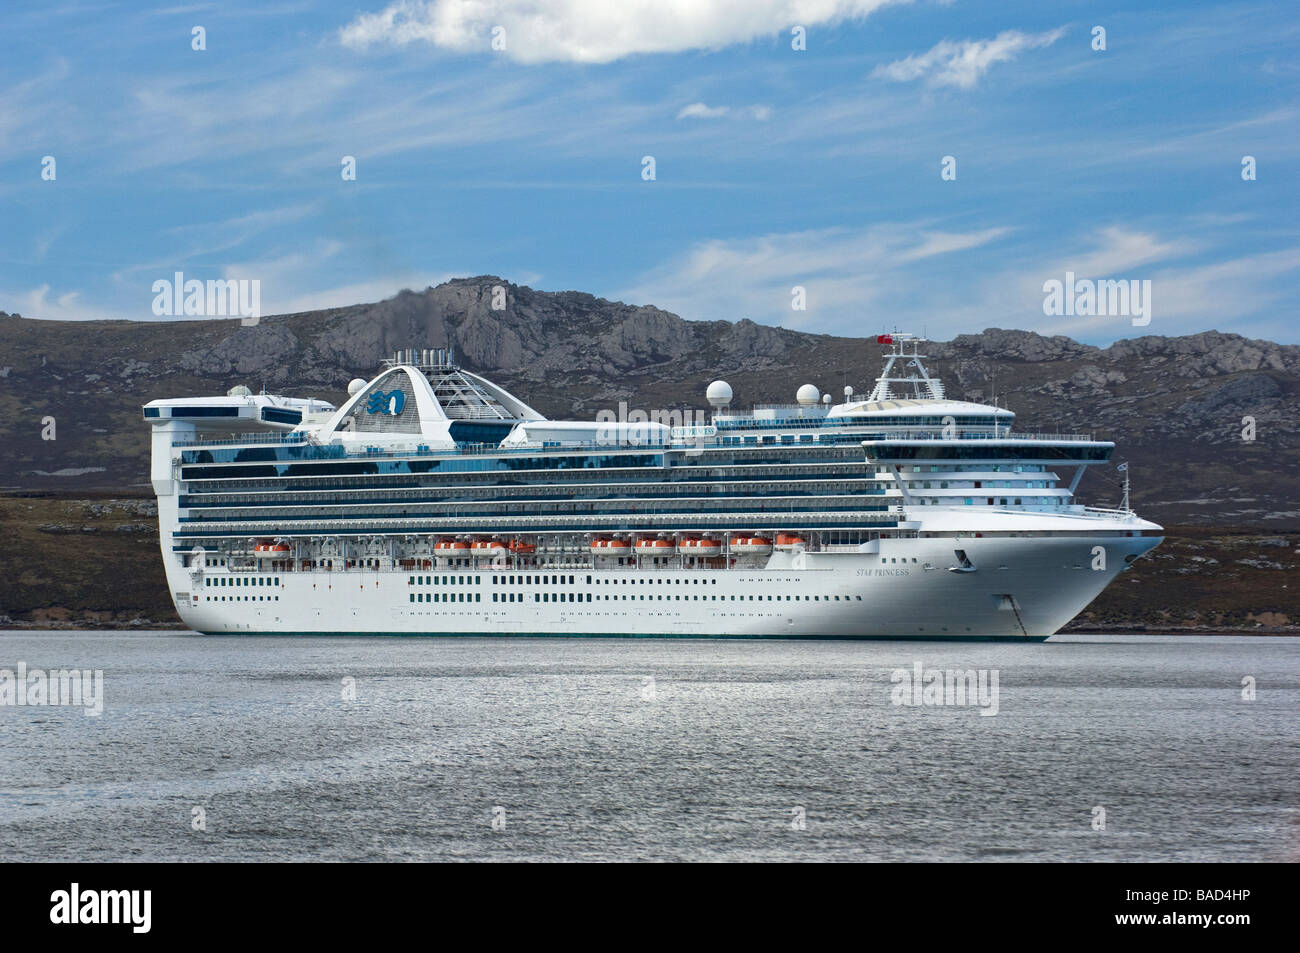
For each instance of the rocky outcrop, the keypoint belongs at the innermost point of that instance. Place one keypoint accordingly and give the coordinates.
(1014, 345)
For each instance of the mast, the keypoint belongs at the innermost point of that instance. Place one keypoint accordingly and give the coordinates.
(917, 379)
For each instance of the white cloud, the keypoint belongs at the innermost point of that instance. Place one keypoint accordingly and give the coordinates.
(593, 31)
(284, 290)
(914, 277)
(705, 111)
(291, 283)
(702, 111)
(1117, 249)
(25, 110)
(962, 64)
(67, 306)
(44, 240)
(208, 239)
(1227, 292)
(845, 272)
(211, 238)
(1247, 295)
(1013, 296)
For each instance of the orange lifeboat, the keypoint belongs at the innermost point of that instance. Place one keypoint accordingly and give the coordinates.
(649, 546)
(521, 548)
(605, 546)
(788, 541)
(701, 547)
(488, 548)
(451, 549)
(750, 545)
(271, 549)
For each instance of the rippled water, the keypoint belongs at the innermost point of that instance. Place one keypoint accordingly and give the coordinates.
(591, 760)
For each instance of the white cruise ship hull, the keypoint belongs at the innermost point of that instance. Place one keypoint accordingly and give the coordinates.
(1020, 589)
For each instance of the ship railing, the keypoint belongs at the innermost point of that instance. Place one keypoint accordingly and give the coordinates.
(1012, 435)
(887, 432)
(542, 560)
(299, 436)
(1001, 434)
(614, 523)
(809, 411)
(884, 433)
(1106, 512)
(464, 449)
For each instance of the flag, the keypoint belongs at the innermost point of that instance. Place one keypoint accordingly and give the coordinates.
(1123, 467)
(884, 339)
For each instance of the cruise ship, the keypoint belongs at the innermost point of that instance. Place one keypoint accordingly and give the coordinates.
(434, 502)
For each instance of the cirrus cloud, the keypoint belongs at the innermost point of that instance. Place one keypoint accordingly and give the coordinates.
(962, 64)
(845, 272)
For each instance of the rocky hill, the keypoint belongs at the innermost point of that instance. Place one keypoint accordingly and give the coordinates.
(1173, 405)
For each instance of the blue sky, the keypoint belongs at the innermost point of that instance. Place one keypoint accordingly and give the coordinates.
(774, 167)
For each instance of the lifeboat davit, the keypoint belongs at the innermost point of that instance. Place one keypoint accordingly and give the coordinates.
(788, 541)
(488, 548)
(701, 547)
(750, 545)
(649, 546)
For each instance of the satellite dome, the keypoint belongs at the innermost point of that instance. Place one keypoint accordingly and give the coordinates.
(355, 386)
(718, 394)
(848, 390)
(808, 394)
(239, 390)
(826, 398)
